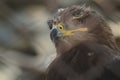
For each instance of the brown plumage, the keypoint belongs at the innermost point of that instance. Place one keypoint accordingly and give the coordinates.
(86, 55)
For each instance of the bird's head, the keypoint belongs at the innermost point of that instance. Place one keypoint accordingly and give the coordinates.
(77, 24)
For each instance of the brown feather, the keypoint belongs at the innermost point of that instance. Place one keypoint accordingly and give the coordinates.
(85, 55)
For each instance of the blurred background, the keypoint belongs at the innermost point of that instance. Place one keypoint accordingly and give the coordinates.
(25, 46)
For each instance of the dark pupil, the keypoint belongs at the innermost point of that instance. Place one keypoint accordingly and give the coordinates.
(60, 27)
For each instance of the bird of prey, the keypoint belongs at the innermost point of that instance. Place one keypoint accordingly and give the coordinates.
(86, 48)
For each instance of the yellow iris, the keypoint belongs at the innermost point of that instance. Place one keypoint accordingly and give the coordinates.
(69, 32)
(60, 26)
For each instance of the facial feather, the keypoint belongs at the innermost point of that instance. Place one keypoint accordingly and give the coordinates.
(97, 29)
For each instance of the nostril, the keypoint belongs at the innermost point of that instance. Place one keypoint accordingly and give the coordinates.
(50, 23)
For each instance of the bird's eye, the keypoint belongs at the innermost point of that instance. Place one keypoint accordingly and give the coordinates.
(60, 26)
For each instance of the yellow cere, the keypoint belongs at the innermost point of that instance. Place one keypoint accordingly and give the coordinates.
(69, 32)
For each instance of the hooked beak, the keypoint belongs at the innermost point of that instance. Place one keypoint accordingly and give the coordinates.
(55, 33)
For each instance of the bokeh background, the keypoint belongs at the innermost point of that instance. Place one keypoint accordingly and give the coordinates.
(25, 46)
